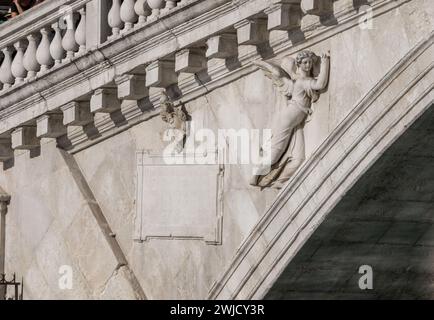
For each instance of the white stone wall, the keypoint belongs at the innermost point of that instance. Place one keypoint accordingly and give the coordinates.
(49, 223)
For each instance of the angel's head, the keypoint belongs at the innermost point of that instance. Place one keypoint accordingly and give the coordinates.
(305, 61)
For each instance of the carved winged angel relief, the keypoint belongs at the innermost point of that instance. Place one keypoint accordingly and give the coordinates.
(285, 151)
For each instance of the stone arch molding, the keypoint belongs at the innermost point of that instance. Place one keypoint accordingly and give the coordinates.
(377, 120)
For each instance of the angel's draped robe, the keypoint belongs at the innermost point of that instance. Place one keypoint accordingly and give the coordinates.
(286, 145)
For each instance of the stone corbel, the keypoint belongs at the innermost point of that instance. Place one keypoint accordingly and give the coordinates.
(6, 151)
(24, 138)
(284, 15)
(161, 74)
(191, 60)
(76, 114)
(50, 126)
(315, 7)
(132, 87)
(252, 31)
(104, 100)
(222, 46)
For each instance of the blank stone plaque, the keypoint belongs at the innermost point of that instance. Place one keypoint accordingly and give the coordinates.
(179, 201)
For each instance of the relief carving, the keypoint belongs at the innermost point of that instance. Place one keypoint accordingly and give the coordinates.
(176, 118)
(285, 151)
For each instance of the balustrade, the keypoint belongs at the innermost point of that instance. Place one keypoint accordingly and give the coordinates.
(94, 24)
(37, 52)
(65, 38)
(125, 15)
(143, 10)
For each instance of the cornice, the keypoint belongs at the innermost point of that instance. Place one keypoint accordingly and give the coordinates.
(220, 75)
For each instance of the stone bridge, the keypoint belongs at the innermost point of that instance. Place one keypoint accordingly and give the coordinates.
(89, 89)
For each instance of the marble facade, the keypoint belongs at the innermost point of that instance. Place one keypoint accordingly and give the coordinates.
(82, 137)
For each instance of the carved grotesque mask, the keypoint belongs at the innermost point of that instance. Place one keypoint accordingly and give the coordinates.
(176, 119)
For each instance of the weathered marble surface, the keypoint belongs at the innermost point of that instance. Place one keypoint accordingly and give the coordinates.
(49, 223)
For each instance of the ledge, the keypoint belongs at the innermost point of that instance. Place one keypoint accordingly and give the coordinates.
(191, 88)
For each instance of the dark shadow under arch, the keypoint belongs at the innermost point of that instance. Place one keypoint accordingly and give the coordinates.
(385, 221)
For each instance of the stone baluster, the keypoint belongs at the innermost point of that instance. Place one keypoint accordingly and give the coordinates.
(170, 4)
(6, 76)
(17, 68)
(80, 33)
(156, 6)
(68, 41)
(43, 53)
(56, 48)
(30, 63)
(128, 14)
(143, 10)
(114, 18)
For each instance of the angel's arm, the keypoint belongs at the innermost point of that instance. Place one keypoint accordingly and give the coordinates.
(321, 82)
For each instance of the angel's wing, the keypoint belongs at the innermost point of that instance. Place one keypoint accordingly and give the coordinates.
(280, 78)
(288, 64)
